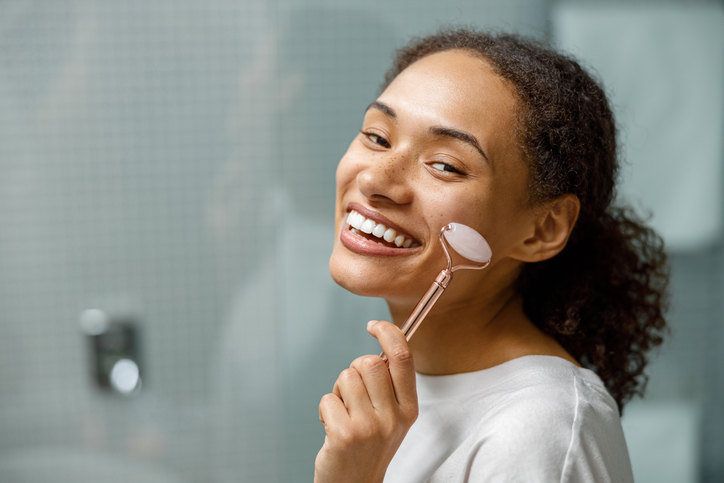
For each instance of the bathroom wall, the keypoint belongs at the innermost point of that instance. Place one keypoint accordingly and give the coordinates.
(171, 164)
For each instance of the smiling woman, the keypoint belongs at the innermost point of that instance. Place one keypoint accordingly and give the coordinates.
(520, 370)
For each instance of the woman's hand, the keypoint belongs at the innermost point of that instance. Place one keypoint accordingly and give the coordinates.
(368, 413)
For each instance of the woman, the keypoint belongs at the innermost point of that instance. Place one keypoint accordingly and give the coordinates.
(521, 369)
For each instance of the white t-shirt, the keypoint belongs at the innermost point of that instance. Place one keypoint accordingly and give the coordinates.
(532, 419)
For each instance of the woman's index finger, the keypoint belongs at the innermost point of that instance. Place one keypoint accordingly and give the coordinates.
(400, 360)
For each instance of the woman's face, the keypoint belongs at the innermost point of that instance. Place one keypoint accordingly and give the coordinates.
(438, 146)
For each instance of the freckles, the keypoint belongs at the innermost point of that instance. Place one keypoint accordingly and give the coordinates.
(389, 169)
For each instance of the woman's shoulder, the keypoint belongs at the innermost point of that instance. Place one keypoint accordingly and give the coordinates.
(550, 383)
(541, 418)
(536, 397)
(525, 398)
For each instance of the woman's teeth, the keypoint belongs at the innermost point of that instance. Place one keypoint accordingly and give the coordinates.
(361, 224)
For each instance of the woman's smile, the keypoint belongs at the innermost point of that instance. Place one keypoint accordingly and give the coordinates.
(368, 232)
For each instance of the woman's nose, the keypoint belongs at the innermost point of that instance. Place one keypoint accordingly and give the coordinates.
(388, 178)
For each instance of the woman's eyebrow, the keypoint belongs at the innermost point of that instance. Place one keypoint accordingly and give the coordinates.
(435, 130)
(384, 108)
(463, 136)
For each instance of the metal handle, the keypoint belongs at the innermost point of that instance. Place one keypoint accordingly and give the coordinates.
(433, 293)
(424, 306)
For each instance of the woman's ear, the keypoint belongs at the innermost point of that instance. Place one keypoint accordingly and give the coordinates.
(551, 229)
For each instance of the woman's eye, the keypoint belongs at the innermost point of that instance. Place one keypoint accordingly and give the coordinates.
(445, 167)
(377, 139)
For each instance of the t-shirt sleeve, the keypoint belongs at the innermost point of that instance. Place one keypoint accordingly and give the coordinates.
(544, 436)
(598, 449)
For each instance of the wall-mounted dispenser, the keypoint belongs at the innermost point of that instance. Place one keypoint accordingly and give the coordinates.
(114, 354)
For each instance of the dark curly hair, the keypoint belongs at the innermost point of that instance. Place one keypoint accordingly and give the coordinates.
(604, 296)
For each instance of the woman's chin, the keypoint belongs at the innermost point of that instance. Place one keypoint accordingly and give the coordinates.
(356, 282)
(365, 282)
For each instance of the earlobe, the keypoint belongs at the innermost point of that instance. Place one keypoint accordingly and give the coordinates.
(551, 229)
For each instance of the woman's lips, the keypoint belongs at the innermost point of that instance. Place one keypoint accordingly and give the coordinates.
(364, 246)
(370, 233)
(378, 219)
(377, 232)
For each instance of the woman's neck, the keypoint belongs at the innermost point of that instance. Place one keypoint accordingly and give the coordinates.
(456, 338)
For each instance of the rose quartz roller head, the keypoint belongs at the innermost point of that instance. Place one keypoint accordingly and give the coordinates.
(467, 243)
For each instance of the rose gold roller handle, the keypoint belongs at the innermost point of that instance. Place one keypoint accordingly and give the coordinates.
(468, 243)
(424, 306)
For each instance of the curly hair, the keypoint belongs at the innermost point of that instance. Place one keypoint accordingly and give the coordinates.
(603, 298)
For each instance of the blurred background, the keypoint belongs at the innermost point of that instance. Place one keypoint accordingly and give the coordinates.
(166, 202)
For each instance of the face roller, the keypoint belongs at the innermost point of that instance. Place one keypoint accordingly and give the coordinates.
(466, 242)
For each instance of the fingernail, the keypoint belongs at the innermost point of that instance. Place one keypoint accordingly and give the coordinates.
(371, 323)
